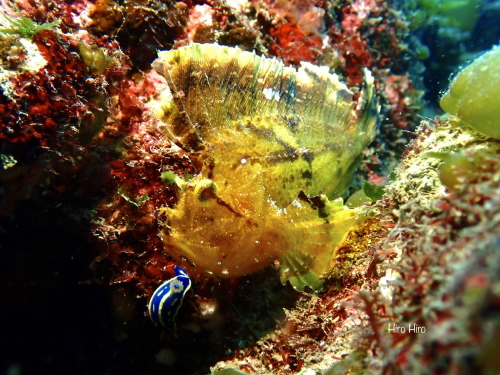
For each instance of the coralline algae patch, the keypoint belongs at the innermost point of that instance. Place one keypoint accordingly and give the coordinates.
(127, 221)
(444, 276)
(51, 105)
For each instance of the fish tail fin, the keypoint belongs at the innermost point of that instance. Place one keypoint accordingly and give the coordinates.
(316, 227)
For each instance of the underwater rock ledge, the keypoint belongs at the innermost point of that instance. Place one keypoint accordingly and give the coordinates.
(426, 276)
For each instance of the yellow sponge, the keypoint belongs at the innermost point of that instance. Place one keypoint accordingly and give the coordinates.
(474, 94)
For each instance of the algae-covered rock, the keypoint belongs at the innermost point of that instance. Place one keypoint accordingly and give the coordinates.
(457, 13)
(474, 94)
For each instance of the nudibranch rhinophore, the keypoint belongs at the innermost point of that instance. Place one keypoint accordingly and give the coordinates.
(270, 144)
(167, 299)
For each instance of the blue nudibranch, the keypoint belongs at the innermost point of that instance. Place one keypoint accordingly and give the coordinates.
(167, 299)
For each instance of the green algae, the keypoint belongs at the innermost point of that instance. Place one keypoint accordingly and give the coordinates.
(25, 27)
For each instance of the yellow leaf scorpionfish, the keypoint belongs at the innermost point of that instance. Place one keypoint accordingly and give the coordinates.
(271, 144)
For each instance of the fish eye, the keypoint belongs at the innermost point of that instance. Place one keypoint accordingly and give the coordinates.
(207, 193)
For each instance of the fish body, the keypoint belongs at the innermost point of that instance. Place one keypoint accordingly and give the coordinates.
(271, 144)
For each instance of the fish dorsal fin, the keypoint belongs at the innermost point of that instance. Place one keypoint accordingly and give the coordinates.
(301, 125)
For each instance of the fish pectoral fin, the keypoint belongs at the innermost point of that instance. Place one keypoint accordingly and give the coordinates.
(314, 233)
(298, 273)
